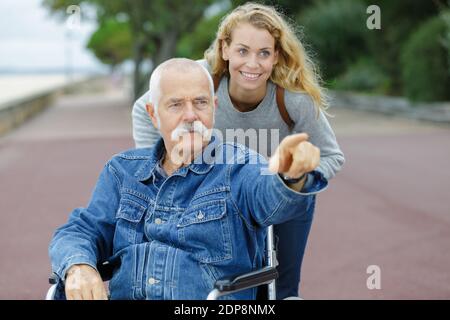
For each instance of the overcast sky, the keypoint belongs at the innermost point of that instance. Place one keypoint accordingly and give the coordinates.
(30, 38)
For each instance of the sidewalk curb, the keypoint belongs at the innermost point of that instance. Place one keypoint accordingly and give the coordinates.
(15, 112)
(437, 112)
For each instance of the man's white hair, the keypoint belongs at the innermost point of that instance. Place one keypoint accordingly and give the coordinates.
(180, 64)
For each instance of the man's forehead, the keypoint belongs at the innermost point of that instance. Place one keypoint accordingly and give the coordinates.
(190, 71)
(180, 95)
(176, 84)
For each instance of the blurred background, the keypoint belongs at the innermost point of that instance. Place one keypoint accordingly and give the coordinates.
(69, 74)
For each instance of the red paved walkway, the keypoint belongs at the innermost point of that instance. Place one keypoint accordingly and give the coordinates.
(47, 168)
(389, 206)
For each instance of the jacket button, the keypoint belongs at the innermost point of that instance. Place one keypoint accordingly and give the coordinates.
(152, 281)
(158, 221)
(200, 215)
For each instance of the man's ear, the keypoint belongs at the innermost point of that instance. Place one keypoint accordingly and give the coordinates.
(152, 113)
(225, 50)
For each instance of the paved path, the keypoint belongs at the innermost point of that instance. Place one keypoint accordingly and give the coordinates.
(389, 206)
(48, 167)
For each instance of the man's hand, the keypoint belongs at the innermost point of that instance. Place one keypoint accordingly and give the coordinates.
(295, 156)
(84, 283)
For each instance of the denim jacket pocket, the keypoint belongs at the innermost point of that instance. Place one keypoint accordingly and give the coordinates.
(129, 229)
(130, 211)
(217, 193)
(204, 230)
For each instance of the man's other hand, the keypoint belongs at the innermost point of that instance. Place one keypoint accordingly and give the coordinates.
(84, 283)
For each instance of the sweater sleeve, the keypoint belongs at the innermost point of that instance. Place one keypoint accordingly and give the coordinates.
(302, 110)
(144, 133)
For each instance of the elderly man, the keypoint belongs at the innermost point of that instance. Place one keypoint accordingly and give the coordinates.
(174, 218)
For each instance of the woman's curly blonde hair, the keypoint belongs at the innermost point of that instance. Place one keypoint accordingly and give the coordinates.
(294, 71)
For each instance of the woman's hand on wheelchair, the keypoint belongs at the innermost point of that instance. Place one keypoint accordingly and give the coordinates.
(84, 283)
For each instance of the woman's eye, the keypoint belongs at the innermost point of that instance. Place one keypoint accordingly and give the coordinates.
(242, 51)
(265, 53)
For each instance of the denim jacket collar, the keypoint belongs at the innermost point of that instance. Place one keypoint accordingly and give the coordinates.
(198, 166)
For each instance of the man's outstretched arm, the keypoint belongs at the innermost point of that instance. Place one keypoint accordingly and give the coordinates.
(270, 199)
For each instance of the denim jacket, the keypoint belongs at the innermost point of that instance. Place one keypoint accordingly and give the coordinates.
(205, 221)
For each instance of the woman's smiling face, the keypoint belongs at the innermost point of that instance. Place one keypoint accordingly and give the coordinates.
(251, 55)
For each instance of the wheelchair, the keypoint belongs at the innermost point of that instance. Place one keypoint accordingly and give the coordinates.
(224, 286)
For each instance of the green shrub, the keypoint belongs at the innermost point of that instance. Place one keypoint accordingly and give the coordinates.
(336, 31)
(425, 65)
(399, 20)
(446, 39)
(365, 75)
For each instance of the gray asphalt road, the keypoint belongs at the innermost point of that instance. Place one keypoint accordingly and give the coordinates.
(389, 207)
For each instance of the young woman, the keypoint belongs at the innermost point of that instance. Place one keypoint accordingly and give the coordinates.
(266, 82)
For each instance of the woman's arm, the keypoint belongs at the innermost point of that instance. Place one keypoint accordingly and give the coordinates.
(302, 110)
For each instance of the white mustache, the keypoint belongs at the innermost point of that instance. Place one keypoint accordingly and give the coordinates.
(187, 127)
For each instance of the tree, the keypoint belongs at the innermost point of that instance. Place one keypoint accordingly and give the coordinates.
(111, 43)
(288, 7)
(156, 22)
(194, 45)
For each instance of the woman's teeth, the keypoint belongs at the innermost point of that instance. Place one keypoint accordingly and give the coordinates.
(250, 76)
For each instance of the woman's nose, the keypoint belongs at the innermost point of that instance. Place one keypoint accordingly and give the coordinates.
(252, 61)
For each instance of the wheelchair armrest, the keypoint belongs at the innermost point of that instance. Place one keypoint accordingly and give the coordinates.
(53, 279)
(247, 280)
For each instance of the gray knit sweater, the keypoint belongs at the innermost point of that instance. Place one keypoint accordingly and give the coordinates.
(260, 129)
